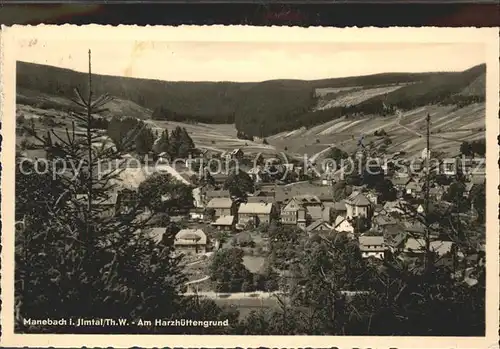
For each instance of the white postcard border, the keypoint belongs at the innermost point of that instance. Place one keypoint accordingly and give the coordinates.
(11, 35)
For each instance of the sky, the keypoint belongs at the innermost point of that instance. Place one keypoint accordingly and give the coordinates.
(248, 61)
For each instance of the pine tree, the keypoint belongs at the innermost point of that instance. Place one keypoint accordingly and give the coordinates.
(75, 261)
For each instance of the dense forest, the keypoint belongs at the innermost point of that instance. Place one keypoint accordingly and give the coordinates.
(265, 108)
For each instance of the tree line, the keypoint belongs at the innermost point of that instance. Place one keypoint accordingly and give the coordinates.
(132, 134)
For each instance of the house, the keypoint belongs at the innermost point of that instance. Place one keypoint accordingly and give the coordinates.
(357, 205)
(379, 222)
(343, 225)
(426, 154)
(307, 200)
(256, 213)
(301, 219)
(319, 226)
(106, 207)
(448, 167)
(372, 246)
(395, 207)
(379, 210)
(262, 196)
(326, 198)
(295, 209)
(400, 183)
(417, 165)
(395, 242)
(225, 223)
(236, 153)
(372, 197)
(197, 214)
(468, 188)
(339, 208)
(327, 178)
(222, 206)
(220, 178)
(415, 228)
(413, 187)
(156, 234)
(190, 241)
(313, 213)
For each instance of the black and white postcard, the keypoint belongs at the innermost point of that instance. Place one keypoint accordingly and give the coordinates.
(249, 186)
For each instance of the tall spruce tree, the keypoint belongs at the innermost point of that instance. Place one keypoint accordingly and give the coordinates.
(75, 261)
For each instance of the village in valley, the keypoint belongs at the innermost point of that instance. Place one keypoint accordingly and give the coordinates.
(336, 224)
(251, 200)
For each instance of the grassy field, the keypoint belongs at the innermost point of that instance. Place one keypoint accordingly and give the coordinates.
(220, 137)
(466, 123)
(353, 97)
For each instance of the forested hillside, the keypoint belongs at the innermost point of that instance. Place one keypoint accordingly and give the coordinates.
(261, 109)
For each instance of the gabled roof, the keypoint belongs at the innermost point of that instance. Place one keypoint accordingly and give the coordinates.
(339, 206)
(220, 203)
(190, 237)
(307, 199)
(371, 241)
(469, 186)
(415, 227)
(235, 151)
(390, 206)
(224, 220)
(316, 212)
(383, 220)
(339, 220)
(413, 185)
(318, 224)
(397, 240)
(358, 199)
(393, 229)
(255, 208)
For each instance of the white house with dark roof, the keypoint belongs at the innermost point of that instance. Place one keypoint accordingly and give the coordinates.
(372, 246)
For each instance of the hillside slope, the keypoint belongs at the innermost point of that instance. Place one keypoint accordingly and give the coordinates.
(260, 109)
(449, 127)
